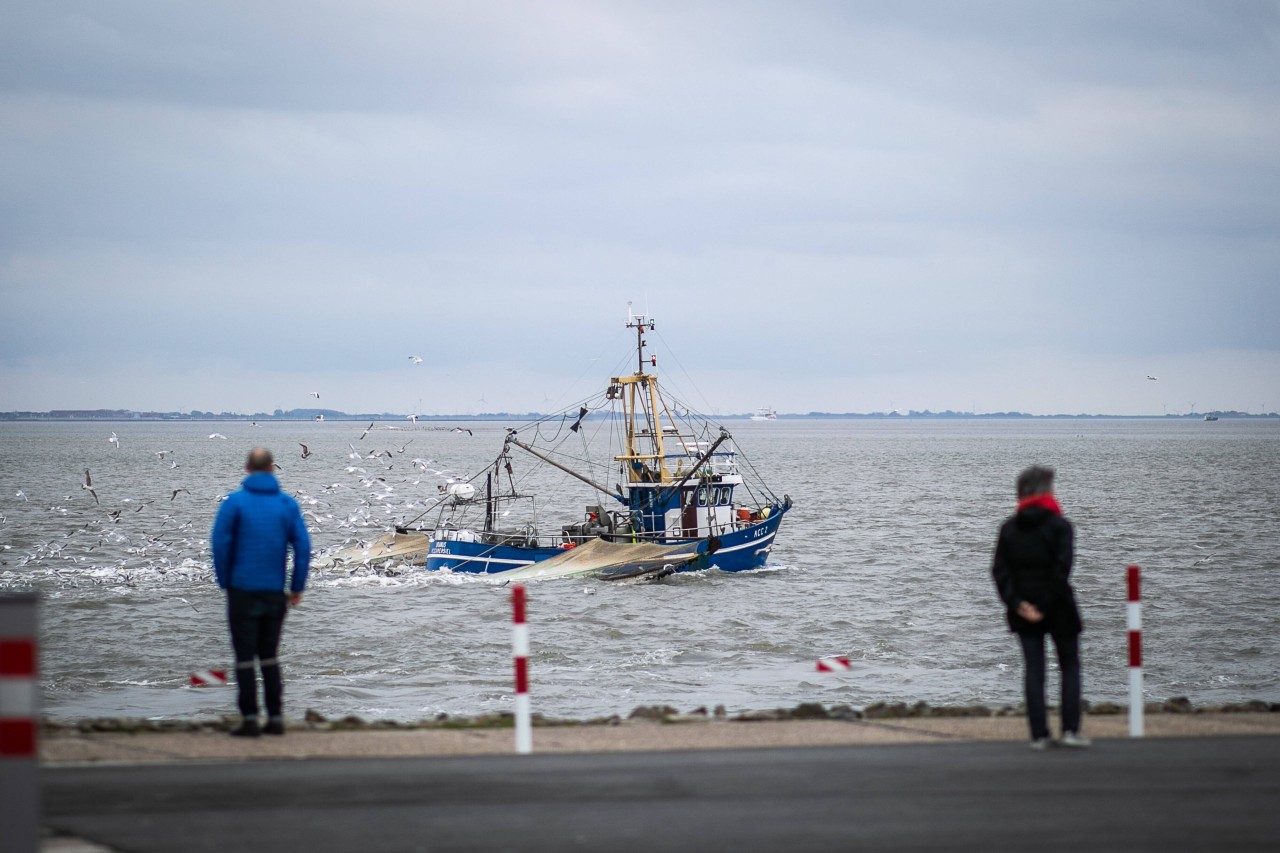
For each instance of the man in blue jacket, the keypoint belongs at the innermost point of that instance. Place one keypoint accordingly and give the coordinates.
(252, 534)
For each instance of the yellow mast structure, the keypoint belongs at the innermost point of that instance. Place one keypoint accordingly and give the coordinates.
(636, 391)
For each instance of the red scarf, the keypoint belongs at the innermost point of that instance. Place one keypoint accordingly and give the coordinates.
(1045, 501)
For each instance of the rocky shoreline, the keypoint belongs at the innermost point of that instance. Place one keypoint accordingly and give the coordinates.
(315, 721)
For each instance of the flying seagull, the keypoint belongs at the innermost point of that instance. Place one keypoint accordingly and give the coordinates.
(114, 440)
(416, 359)
(413, 418)
(87, 485)
(175, 494)
(1153, 378)
(315, 394)
(306, 451)
(217, 435)
(366, 430)
(463, 429)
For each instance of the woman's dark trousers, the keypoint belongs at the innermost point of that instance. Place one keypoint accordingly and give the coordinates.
(1068, 648)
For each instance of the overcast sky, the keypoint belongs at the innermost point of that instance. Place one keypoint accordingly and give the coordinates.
(836, 206)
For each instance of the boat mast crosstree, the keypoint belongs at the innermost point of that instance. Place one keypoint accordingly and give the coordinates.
(679, 485)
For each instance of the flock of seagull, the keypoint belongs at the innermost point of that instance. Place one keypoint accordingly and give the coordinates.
(128, 538)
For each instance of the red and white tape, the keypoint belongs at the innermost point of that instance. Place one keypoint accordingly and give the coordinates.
(836, 663)
(19, 694)
(19, 722)
(1134, 618)
(209, 678)
(520, 651)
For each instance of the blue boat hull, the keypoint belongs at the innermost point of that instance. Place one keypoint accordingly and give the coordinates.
(738, 551)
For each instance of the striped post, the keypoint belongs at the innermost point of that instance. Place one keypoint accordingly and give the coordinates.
(1135, 652)
(520, 650)
(19, 724)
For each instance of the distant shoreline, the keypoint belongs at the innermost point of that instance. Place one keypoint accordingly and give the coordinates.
(305, 415)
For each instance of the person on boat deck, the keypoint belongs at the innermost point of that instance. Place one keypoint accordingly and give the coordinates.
(252, 534)
(1032, 569)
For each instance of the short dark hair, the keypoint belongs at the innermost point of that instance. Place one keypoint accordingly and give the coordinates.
(1036, 480)
(259, 460)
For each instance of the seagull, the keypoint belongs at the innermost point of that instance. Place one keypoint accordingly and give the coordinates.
(306, 451)
(160, 454)
(366, 430)
(87, 485)
(319, 419)
(354, 454)
(217, 435)
(403, 446)
(1153, 378)
(175, 494)
(463, 429)
(21, 494)
(315, 394)
(114, 440)
(416, 359)
(413, 418)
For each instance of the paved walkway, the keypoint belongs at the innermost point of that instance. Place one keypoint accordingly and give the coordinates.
(69, 747)
(968, 789)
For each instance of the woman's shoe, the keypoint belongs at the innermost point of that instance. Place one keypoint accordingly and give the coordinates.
(1077, 741)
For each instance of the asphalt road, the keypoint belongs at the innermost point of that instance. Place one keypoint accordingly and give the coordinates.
(1133, 795)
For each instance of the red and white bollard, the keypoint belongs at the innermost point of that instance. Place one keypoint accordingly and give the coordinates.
(19, 725)
(1135, 652)
(520, 649)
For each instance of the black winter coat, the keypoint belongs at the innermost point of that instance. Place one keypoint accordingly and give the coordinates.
(1033, 559)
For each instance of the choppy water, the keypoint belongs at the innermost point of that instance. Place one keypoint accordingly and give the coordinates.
(885, 558)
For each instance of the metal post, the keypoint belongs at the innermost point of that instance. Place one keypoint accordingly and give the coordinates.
(520, 648)
(1136, 708)
(19, 724)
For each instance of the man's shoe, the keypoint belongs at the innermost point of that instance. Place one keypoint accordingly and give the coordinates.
(275, 726)
(1076, 741)
(249, 728)
(1040, 744)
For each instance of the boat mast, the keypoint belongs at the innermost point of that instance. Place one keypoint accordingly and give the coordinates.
(642, 467)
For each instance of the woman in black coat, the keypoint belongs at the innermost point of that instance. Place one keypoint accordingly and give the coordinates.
(1032, 570)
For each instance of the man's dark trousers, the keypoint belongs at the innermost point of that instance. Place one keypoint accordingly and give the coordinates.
(256, 620)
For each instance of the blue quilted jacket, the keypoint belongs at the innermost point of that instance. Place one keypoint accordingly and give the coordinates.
(252, 534)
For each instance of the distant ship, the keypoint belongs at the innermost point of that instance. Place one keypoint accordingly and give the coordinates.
(1211, 417)
(765, 414)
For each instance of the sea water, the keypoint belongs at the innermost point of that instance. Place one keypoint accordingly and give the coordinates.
(885, 558)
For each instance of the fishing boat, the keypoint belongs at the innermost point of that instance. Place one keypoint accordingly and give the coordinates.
(629, 483)
(765, 414)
